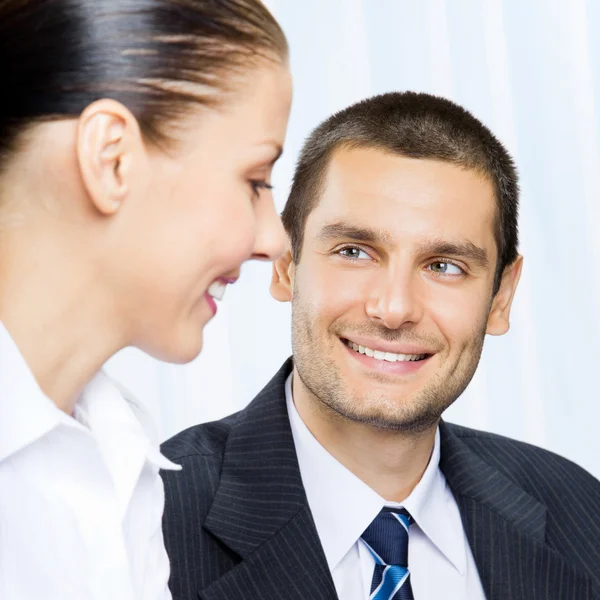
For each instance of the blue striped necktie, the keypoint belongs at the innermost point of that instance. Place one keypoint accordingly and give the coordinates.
(387, 540)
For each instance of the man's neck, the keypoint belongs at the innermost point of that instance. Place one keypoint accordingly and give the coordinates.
(389, 462)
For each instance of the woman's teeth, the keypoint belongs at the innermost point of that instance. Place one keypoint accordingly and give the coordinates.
(217, 290)
(388, 356)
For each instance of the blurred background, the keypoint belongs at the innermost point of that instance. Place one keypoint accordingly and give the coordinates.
(530, 70)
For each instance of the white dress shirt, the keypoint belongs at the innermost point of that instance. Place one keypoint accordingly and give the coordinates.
(440, 561)
(81, 499)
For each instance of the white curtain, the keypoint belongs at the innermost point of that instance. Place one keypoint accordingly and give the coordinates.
(530, 69)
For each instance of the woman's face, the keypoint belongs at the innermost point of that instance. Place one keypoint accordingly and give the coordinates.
(198, 213)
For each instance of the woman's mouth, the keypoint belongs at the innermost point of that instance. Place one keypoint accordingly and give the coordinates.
(216, 291)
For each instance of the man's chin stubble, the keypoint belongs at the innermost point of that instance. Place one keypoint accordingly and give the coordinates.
(418, 423)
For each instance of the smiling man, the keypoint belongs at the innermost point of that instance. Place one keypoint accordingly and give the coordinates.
(341, 480)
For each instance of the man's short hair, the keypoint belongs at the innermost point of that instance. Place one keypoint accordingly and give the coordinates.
(414, 125)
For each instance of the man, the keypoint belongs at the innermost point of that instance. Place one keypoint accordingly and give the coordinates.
(340, 480)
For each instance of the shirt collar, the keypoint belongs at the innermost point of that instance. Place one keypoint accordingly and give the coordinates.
(111, 413)
(27, 414)
(343, 506)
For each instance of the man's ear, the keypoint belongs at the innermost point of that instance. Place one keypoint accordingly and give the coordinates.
(282, 282)
(499, 317)
(109, 141)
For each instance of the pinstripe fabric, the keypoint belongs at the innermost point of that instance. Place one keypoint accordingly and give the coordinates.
(237, 522)
(251, 536)
(532, 517)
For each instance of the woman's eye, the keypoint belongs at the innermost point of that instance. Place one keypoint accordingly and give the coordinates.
(354, 253)
(258, 184)
(445, 268)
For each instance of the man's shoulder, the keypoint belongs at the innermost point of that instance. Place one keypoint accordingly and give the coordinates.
(541, 472)
(202, 441)
(199, 450)
(209, 439)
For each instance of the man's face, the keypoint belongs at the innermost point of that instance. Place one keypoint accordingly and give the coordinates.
(393, 293)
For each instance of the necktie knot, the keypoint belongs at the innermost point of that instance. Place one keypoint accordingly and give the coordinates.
(387, 540)
(387, 537)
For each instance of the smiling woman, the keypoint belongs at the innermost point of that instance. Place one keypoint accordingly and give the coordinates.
(137, 140)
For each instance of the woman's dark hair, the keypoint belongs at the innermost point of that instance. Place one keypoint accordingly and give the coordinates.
(58, 56)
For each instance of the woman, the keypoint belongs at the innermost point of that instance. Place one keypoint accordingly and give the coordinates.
(137, 139)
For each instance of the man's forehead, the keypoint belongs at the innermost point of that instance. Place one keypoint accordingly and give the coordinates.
(375, 168)
(374, 187)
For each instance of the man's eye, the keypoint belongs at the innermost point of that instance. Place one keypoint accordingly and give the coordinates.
(445, 268)
(353, 253)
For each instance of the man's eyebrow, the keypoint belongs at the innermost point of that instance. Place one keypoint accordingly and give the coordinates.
(461, 249)
(338, 230)
(464, 249)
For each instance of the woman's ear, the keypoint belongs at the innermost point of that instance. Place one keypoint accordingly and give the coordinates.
(499, 317)
(282, 282)
(109, 143)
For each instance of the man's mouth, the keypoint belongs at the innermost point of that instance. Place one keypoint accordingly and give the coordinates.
(384, 356)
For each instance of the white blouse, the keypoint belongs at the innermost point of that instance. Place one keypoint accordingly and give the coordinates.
(81, 499)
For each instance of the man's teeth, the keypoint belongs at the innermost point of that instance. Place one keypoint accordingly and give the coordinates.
(217, 290)
(389, 356)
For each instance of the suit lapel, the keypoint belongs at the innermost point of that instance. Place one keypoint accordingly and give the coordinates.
(291, 565)
(506, 527)
(260, 509)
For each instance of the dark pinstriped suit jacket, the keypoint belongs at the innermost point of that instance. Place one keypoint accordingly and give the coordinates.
(238, 526)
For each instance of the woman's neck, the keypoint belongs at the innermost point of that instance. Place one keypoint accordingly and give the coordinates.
(56, 315)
